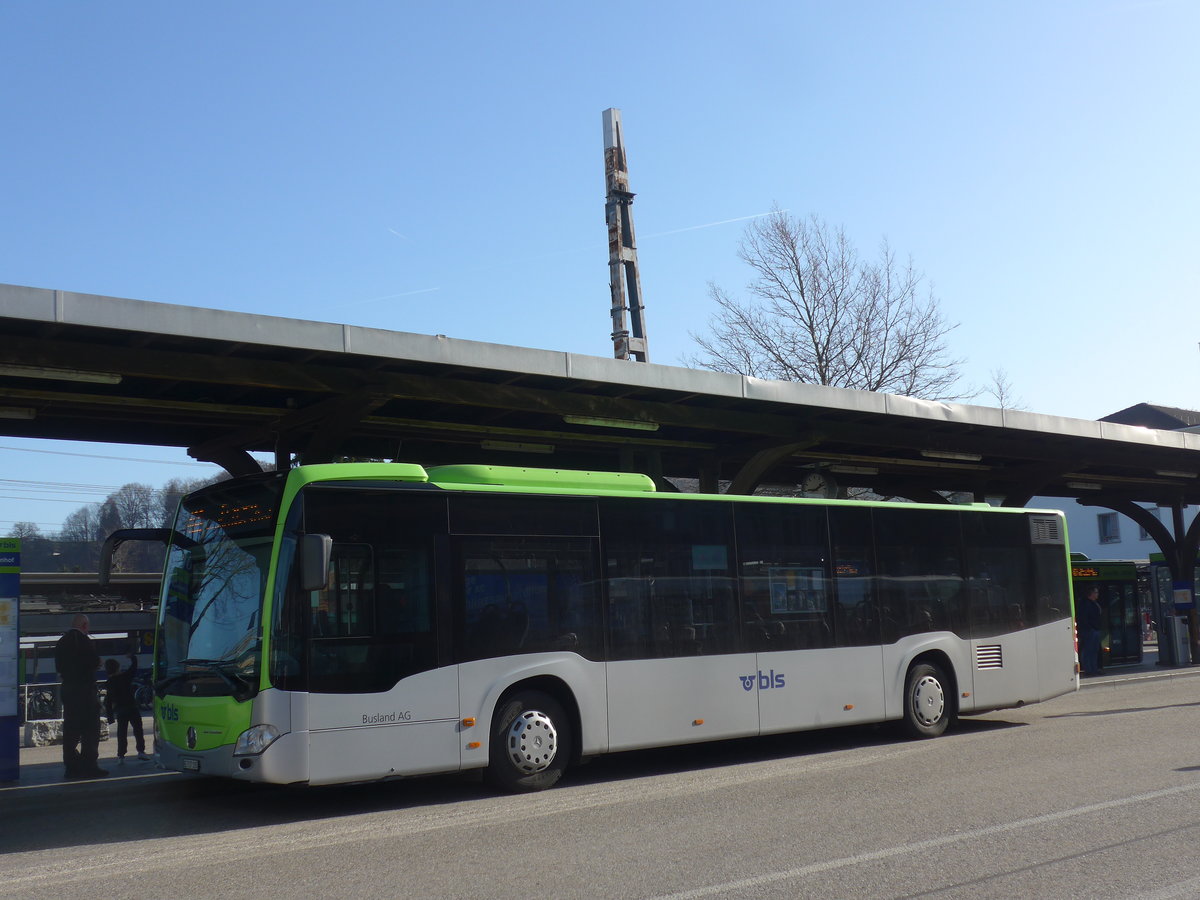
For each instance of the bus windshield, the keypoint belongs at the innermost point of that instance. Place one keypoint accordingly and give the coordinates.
(213, 588)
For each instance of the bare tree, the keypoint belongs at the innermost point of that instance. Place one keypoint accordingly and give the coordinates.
(138, 505)
(1000, 389)
(83, 524)
(821, 315)
(25, 531)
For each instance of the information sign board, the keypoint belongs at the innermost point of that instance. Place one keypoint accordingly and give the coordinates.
(10, 642)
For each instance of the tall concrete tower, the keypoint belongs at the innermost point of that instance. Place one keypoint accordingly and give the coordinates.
(629, 336)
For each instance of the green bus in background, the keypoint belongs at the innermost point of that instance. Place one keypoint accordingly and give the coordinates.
(364, 621)
(1122, 608)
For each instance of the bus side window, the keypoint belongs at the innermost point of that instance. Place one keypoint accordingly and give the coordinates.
(527, 595)
(375, 623)
(669, 577)
(856, 613)
(1051, 596)
(1000, 592)
(783, 556)
(346, 607)
(920, 558)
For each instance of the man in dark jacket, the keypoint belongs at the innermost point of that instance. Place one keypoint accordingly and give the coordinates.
(76, 659)
(1090, 621)
(121, 702)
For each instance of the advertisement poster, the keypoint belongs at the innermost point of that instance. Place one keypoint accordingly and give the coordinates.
(10, 604)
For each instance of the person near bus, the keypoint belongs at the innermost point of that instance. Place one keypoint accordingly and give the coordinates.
(76, 659)
(120, 702)
(1090, 621)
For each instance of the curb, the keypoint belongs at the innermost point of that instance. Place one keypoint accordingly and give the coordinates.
(1135, 677)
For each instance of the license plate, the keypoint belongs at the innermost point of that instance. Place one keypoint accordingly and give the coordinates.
(191, 765)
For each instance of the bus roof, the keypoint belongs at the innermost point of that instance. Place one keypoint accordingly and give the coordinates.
(551, 481)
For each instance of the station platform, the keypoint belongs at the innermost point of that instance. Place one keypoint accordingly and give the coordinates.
(42, 766)
(1147, 668)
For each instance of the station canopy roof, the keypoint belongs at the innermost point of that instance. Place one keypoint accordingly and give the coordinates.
(223, 384)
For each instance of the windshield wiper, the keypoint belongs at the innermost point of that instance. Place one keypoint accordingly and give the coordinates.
(240, 686)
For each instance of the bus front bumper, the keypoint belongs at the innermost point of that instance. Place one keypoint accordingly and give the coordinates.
(285, 761)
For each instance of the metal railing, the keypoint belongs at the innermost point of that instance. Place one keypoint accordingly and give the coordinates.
(43, 701)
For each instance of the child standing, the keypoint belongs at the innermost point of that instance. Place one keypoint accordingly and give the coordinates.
(119, 698)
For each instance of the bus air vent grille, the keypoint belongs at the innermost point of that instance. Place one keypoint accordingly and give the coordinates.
(1046, 530)
(989, 656)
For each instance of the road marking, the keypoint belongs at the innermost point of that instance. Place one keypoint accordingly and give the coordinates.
(110, 860)
(909, 849)
(60, 781)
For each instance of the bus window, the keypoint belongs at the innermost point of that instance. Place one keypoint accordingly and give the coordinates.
(668, 574)
(500, 514)
(1051, 587)
(528, 595)
(347, 606)
(376, 620)
(919, 554)
(784, 574)
(998, 573)
(856, 617)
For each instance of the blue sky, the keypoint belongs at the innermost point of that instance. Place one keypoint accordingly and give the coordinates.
(438, 168)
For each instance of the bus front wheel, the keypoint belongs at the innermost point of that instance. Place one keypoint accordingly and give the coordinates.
(531, 743)
(927, 708)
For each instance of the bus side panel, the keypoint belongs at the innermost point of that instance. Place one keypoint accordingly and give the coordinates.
(681, 700)
(800, 689)
(413, 729)
(1006, 670)
(482, 682)
(1056, 659)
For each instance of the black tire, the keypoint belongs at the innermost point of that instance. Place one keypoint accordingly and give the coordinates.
(928, 701)
(530, 744)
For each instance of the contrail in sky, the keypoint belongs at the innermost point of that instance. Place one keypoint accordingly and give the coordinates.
(712, 224)
(392, 296)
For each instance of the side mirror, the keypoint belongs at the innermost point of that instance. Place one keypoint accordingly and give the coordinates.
(315, 550)
(119, 537)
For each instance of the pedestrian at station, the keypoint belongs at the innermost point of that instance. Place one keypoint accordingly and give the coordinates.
(76, 659)
(1089, 621)
(119, 701)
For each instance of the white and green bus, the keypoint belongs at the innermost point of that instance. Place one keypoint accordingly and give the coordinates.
(363, 621)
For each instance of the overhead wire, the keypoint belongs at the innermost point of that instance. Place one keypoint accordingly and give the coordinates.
(136, 459)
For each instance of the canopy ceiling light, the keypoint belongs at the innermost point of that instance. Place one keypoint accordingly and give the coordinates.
(17, 412)
(952, 454)
(1085, 485)
(632, 424)
(1167, 473)
(516, 447)
(854, 470)
(59, 374)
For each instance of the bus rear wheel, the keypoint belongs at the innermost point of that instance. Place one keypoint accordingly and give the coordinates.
(530, 745)
(927, 708)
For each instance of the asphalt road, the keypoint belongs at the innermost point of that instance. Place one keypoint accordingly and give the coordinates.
(1092, 795)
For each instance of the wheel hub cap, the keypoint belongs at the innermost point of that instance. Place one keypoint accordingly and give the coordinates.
(532, 741)
(928, 701)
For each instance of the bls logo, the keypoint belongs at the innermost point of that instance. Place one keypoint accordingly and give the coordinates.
(766, 681)
(170, 712)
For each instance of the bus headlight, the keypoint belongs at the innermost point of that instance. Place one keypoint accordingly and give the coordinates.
(255, 740)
